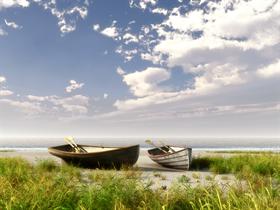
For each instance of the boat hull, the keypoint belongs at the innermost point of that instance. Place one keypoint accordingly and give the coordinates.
(180, 159)
(116, 158)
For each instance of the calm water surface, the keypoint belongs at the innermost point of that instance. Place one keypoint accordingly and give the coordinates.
(195, 143)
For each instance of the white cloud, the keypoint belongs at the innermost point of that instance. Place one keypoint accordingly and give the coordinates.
(245, 26)
(142, 4)
(218, 76)
(24, 106)
(66, 28)
(155, 97)
(105, 95)
(111, 31)
(120, 71)
(77, 109)
(149, 57)
(195, 2)
(76, 104)
(131, 22)
(2, 79)
(6, 93)
(37, 98)
(193, 20)
(12, 24)
(3, 90)
(73, 100)
(144, 83)
(13, 3)
(193, 112)
(270, 70)
(73, 86)
(161, 11)
(2, 32)
(126, 53)
(130, 38)
(82, 11)
(67, 18)
(222, 25)
(220, 45)
(96, 27)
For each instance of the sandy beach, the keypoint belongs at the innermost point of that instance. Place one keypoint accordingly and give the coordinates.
(151, 171)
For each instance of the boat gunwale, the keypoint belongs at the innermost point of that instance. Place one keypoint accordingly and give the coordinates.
(54, 150)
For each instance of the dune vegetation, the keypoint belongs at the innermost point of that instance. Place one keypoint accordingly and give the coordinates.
(48, 185)
(7, 150)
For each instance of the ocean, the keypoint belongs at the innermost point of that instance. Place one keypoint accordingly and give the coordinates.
(203, 144)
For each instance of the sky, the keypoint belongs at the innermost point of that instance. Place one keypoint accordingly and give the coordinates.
(100, 68)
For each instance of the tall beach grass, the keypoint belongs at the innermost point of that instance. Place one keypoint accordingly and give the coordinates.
(48, 185)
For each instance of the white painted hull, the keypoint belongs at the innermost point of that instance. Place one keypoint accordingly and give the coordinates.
(180, 159)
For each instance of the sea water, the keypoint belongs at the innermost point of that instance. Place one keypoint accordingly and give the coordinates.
(203, 144)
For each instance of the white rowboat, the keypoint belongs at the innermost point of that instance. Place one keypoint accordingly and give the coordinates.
(172, 157)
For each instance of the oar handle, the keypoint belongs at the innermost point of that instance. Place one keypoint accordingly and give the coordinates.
(71, 144)
(151, 143)
(74, 145)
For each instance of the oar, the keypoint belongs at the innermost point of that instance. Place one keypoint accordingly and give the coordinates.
(66, 139)
(148, 141)
(81, 149)
(78, 148)
(163, 144)
(71, 142)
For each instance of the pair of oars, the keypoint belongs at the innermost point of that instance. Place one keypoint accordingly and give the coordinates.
(148, 141)
(71, 142)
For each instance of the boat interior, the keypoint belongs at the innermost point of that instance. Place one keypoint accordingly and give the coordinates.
(157, 151)
(100, 149)
(89, 149)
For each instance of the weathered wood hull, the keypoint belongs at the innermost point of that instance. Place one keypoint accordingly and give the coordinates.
(115, 158)
(181, 159)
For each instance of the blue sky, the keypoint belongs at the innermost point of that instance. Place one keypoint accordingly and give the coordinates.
(139, 68)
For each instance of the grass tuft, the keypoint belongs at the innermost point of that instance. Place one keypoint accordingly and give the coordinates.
(47, 165)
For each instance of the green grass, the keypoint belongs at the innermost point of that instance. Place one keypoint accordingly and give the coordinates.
(242, 165)
(7, 150)
(196, 175)
(244, 152)
(48, 185)
(209, 178)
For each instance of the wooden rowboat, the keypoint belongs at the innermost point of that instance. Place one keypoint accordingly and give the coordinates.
(172, 157)
(96, 156)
